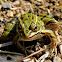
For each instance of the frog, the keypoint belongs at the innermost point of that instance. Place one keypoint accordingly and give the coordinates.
(29, 27)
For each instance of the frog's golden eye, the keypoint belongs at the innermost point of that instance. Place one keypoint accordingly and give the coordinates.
(30, 27)
(35, 27)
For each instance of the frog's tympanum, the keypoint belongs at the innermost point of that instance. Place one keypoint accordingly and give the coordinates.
(30, 27)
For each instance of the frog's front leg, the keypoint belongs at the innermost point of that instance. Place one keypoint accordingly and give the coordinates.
(53, 43)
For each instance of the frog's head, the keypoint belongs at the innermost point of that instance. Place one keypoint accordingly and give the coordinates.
(29, 25)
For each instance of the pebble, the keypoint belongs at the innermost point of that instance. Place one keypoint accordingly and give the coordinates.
(10, 13)
(6, 5)
(9, 58)
(16, 3)
(57, 59)
(48, 60)
(32, 1)
(22, 12)
(37, 3)
(32, 10)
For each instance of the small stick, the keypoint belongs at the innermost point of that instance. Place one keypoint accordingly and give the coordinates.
(6, 44)
(60, 43)
(60, 49)
(32, 54)
(13, 53)
(37, 53)
(57, 35)
(43, 57)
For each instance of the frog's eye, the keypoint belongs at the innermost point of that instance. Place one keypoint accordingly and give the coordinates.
(30, 27)
(35, 27)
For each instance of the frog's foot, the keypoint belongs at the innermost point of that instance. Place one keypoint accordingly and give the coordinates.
(15, 40)
(52, 49)
(53, 39)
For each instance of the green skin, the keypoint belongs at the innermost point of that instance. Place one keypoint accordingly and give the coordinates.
(31, 23)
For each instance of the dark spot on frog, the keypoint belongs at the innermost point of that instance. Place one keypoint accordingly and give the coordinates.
(38, 23)
(32, 17)
(32, 22)
(48, 22)
(5, 29)
(37, 14)
(26, 19)
(44, 16)
(25, 26)
(52, 36)
(24, 22)
(9, 58)
(51, 17)
(60, 10)
(17, 17)
(30, 27)
(26, 31)
(21, 17)
(41, 18)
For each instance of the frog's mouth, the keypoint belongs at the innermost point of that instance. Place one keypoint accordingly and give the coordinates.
(32, 37)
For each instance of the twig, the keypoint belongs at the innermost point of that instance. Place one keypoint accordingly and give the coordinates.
(60, 49)
(6, 44)
(43, 57)
(57, 35)
(32, 54)
(7, 52)
(60, 43)
(37, 53)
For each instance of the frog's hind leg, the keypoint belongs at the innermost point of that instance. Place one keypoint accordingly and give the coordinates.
(53, 39)
(17, 42)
